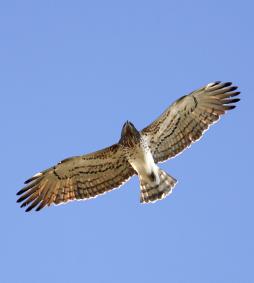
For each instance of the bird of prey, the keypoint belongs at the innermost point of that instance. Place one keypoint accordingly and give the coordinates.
(136, 153)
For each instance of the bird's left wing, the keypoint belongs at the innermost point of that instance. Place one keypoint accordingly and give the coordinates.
(185, 121)
(77, 178)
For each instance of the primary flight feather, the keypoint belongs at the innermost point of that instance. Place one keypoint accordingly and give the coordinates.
(137, 153)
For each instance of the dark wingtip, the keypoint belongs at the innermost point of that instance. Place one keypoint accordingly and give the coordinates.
(34, 204)
(237, 93)
(231, 107)
(30, 208)
(230, 101)
(19, 193)
(227, 84)
(236, 100)
(19, 200)
(29, 181)
(233, 88)
(35, 177)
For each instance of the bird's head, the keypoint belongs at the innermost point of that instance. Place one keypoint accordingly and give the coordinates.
(129, 131)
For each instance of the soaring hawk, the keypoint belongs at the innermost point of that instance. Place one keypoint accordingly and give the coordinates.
(137, 153)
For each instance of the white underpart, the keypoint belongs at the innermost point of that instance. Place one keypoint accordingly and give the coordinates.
(144, 164)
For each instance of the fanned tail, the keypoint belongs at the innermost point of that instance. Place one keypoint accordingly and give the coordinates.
(152, 191)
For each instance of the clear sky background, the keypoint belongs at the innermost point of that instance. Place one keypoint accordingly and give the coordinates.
(71, 73)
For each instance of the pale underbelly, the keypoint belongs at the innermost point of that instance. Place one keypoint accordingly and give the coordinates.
(143, 163)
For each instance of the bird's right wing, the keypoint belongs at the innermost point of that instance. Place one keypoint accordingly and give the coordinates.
(185, 121)
(77, 178)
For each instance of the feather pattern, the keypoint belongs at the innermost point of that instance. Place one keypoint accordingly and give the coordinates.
(87, 176)
(77, 178)
(185, 121)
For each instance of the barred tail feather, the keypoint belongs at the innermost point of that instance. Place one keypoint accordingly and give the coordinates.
(152, 191)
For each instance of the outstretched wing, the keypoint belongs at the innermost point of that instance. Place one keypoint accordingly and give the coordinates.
(77, 178)
(186, 120)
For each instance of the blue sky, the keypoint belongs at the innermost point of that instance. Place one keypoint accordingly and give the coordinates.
(71, 73)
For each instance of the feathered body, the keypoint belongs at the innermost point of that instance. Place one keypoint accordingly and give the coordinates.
(137, 153)
(155, 183)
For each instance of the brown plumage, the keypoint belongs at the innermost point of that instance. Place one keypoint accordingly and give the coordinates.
(77, 178)
(88, 176)
(188, 118)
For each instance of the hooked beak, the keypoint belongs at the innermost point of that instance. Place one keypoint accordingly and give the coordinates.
(129, 130)
(128, 126)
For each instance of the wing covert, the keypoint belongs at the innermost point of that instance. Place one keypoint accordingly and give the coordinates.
(185, 121)
(77, 178)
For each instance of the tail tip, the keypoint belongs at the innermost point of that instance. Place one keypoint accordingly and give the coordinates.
(151, 193)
